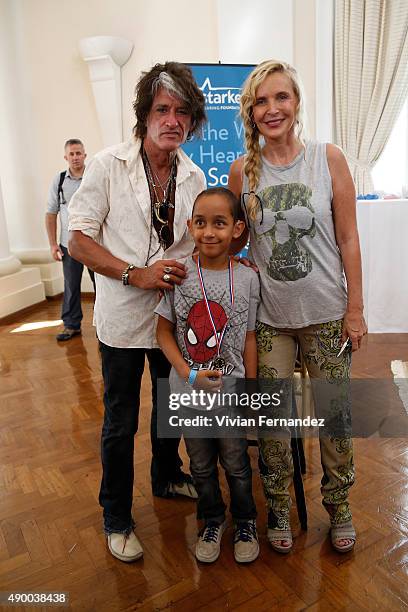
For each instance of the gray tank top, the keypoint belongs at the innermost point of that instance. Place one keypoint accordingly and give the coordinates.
(293, 243)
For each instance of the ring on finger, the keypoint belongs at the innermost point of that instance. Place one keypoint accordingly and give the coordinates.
(166, 278)
(168, 269)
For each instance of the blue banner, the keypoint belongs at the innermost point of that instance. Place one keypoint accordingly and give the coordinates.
(223, 135)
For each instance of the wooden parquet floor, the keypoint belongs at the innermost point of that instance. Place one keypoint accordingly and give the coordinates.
(50, 523)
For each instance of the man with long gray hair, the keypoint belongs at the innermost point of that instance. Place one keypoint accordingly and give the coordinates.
(128, 223)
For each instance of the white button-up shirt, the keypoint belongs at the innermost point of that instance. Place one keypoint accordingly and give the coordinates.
(113, 207)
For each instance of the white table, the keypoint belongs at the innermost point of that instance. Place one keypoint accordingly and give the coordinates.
(383, 228)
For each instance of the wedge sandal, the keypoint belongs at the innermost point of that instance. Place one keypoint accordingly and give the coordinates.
(275, 537)
(344, 531)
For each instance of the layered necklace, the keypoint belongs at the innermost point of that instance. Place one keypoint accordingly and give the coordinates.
(160, 206)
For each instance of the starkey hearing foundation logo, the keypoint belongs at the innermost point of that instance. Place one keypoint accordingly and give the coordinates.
(220, 95)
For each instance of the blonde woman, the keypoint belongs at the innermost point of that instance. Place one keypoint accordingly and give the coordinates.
(299, 200)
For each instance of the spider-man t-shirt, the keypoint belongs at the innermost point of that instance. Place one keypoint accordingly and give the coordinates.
(195, 337)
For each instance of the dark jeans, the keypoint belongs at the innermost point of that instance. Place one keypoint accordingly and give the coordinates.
(233, 455)
(122, 370)
(71, 306)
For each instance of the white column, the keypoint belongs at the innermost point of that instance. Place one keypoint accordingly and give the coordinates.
(324, 15)
(105, 55)
(8, 263)
(20, 219)
(19, 287)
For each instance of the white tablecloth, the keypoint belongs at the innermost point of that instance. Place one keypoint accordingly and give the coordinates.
(383, 228)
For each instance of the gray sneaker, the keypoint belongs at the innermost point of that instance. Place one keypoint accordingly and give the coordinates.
(67, 333)
(209, 542)
(246, 545)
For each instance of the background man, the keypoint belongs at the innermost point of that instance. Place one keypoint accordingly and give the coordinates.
(61, 191)
(128, 223)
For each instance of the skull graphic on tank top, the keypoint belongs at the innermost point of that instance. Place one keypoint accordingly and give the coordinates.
(288, 217)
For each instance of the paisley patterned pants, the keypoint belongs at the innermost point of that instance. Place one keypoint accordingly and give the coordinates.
(319, 345)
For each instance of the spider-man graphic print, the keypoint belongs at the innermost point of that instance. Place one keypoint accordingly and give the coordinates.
(199, 336)
(195, 334)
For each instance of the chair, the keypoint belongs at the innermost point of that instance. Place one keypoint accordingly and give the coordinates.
(299, 468)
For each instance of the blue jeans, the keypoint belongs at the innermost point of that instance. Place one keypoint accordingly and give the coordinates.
(233, 455)
(71, 313)
(122, 370)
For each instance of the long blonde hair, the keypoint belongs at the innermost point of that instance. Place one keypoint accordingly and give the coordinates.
(253, 162)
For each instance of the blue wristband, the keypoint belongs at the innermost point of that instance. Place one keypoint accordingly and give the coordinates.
(192, 376)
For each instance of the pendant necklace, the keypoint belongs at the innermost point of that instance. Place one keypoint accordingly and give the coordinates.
(219, 362)
(160, 209)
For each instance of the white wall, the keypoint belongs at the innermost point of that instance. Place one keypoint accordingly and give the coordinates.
(251, 32)
(46, 95)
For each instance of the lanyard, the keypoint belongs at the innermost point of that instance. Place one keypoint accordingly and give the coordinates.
(218, 338)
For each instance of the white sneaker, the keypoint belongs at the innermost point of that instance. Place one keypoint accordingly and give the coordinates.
(246, 545)
(125, 547)
(209, 542)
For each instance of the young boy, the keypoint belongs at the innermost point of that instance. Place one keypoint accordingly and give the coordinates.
(206, 330)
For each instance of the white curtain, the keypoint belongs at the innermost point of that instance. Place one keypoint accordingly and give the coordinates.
(371, 79)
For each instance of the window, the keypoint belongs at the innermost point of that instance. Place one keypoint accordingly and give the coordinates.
(390, 173)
